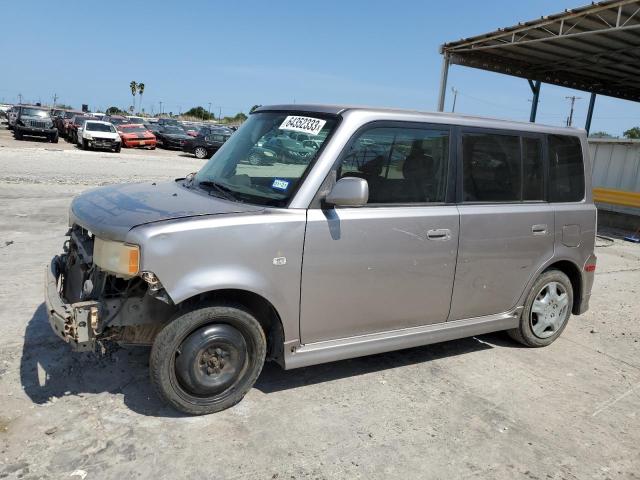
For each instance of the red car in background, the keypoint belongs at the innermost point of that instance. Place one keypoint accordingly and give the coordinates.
(135, 135)
(74, 123)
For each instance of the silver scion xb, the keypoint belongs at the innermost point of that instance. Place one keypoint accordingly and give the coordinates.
(319, 233)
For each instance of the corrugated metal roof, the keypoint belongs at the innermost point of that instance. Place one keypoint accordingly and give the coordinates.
(595, 48)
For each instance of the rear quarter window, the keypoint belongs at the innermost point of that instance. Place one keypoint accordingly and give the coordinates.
(566, 169)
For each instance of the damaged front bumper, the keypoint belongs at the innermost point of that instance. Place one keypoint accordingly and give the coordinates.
(75, 323)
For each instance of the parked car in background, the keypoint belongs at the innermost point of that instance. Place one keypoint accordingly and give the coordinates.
(135, 120)
(35, 122)
(63, 121)
(168, 121)
(135, 135)
(288, 149)
(115, 119)
(204, 146)
(171, 136)
(74, 124)
(57, 112)
(98, 134)
(12, 114)
(191, 129)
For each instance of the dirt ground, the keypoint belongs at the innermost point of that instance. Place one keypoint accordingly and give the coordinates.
(474, 408)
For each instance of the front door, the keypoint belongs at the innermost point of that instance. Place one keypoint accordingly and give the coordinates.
(389, 264)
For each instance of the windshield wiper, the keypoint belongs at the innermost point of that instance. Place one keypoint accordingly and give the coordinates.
(225, 192)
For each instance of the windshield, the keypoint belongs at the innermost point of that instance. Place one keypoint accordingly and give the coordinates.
(173, 130)
(134, 129)
(34, 112)
(262, 163)
(99, 127)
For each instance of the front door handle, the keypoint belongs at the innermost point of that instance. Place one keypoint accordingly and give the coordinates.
(539, 229)
(439, 234)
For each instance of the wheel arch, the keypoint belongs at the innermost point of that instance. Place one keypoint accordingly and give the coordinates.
(572, 271)
(264, 311)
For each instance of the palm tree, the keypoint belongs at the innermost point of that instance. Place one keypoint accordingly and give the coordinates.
(134, 88)
(140, 91)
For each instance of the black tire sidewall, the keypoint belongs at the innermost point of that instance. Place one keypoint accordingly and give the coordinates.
(525, 330)
(162, 360)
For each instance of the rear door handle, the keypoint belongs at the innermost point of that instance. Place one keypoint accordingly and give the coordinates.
(439, 234)
(539, 229)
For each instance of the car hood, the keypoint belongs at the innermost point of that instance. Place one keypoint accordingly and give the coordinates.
(110, 212)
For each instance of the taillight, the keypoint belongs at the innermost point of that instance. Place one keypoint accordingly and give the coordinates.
(590, 267)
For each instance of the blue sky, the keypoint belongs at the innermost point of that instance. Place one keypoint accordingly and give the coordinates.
(236, 54)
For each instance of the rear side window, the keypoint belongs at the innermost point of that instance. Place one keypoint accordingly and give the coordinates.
(492, 168)
(532, 169)
(566, 169)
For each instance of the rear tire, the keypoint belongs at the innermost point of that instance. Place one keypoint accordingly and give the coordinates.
(200, 152)
(84, 145)
(546, 310)
(207, 359)
(54, 138)
(17, 134)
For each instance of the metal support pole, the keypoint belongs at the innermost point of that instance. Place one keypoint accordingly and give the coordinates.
(443, 82)
(535, 88)
(592, 102)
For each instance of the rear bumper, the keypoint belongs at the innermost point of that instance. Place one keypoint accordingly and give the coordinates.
(73, 323)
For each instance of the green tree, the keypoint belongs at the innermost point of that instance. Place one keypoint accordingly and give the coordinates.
(633, 133)
(601, 135)
(134, 89)
(140, 91)
(115, 111)
(198, 112)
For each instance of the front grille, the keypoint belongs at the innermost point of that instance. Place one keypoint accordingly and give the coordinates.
(36, 124)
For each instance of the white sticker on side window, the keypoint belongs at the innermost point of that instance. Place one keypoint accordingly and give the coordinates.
(308, 125)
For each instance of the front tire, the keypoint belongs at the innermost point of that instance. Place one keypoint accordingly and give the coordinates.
(207, 359)
(546, 310)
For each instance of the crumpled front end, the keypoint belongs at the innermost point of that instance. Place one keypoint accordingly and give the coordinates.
(87, 305)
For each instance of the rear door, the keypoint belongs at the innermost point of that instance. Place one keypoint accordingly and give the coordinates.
(389, 264)
(506, 226)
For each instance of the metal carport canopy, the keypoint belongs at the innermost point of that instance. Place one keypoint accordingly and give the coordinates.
(595, 48)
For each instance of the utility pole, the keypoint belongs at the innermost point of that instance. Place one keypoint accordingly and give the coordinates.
(19, 99)
(209, 109)
(55, 97)
(160, 109)
(573, 99)
(219, 113)
(455, 96)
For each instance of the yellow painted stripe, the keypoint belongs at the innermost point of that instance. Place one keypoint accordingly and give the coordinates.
(616, 197)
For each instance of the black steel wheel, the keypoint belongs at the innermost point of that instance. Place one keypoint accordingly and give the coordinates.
(207, 359)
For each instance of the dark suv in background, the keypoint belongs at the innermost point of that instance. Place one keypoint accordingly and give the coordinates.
(35, 122)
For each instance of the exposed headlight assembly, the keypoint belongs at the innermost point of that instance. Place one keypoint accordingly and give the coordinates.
(121, 259)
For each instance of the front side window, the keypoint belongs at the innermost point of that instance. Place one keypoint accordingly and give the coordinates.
(566, 169)
(263, 162)
(491, 167)
(401, 165)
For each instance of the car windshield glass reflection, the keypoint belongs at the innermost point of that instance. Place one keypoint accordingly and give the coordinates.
(99, 127)
(263, 162)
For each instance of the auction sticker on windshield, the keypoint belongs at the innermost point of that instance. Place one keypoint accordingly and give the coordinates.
(303, 124)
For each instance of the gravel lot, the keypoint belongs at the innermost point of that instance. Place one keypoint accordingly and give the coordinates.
(475, 408)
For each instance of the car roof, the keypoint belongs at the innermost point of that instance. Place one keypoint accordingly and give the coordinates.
(99, 121)
(416, 115)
